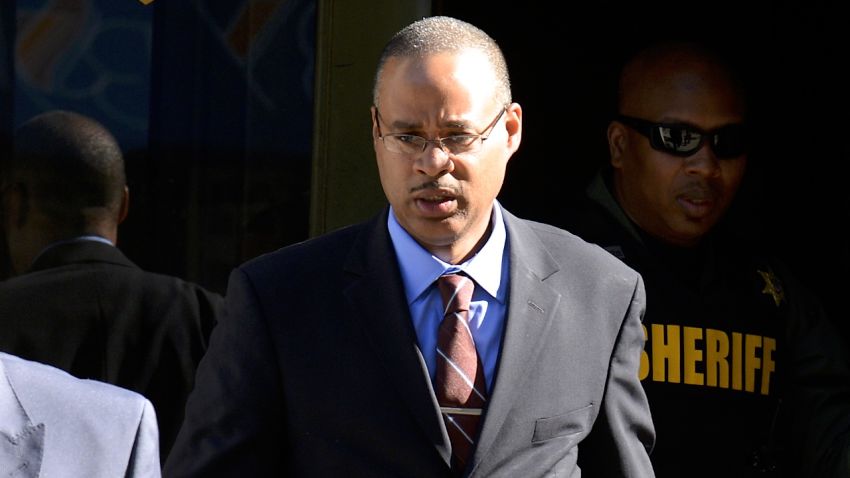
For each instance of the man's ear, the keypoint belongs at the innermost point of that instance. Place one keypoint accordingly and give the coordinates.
(513, 125)
(375, 128)
(617, 142)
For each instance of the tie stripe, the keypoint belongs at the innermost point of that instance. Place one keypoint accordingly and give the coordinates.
(456, 289)
(459, 382)
(462, 374)
(459, 428)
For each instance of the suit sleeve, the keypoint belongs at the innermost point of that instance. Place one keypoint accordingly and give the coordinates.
(232, 422)
(623, 434)
(144, 459)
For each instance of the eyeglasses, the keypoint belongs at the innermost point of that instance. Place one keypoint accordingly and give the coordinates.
(684, 140)
(411, 144)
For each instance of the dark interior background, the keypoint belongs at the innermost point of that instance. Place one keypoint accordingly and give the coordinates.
(210, 100)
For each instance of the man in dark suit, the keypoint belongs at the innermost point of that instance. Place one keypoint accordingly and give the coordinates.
(334, 359)
(77, 302)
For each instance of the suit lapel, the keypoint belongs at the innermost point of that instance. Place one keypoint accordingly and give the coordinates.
(20, 456)
(531, 306)
(377, 298)
(21, 442)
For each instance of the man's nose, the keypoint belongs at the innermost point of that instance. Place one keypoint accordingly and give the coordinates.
(435, 161)
(703, 162)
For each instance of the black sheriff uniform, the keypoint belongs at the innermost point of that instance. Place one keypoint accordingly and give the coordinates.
(743, 373)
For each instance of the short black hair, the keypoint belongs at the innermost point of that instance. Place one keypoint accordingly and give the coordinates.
(70, 164)
(439, 34)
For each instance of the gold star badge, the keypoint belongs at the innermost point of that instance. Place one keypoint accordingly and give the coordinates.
(146, 2)
(772, 286)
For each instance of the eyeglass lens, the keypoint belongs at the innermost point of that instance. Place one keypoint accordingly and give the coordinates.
(411, 144)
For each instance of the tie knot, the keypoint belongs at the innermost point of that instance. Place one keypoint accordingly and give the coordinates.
(456, 292)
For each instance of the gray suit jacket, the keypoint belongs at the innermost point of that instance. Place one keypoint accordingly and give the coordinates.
(316, 369)
(55, 425)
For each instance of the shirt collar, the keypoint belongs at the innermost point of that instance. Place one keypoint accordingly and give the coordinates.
(84, 238)
(420, 268)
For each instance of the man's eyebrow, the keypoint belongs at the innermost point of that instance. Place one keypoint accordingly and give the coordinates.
(412, 125)
(458, 124)
(401, 124)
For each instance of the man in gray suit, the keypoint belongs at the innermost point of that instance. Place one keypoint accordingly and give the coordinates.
(55, 425)
(333, 359)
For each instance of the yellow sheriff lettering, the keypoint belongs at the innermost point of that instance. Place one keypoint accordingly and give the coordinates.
(707, 357)
(693, 355)
(716, 358)
(665, 350)
(768, 366)
(737, 383)
(753, 342)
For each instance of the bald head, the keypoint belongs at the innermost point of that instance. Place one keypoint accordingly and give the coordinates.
(674, 73)
(435, 35)
(72, 168)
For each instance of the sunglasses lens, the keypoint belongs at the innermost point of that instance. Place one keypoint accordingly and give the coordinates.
(682, 140)
(730, 142)
(678, 140)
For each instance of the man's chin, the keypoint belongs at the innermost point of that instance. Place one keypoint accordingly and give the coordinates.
(691, 233)
(435, 233)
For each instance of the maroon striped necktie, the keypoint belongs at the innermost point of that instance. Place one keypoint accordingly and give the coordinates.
(459, 384)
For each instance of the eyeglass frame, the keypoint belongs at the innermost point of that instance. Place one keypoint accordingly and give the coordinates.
(650, 130)
(438, 141)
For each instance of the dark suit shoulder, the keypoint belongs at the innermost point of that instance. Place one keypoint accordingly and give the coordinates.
(184, 287)
(327, 250)
(90, 263)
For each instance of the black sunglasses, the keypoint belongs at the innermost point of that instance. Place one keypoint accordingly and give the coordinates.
(683, 140)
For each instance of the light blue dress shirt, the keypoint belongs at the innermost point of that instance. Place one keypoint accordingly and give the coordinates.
(488, 269)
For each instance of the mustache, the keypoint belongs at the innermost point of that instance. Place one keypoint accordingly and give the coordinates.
(452, 188)
(699, 190)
